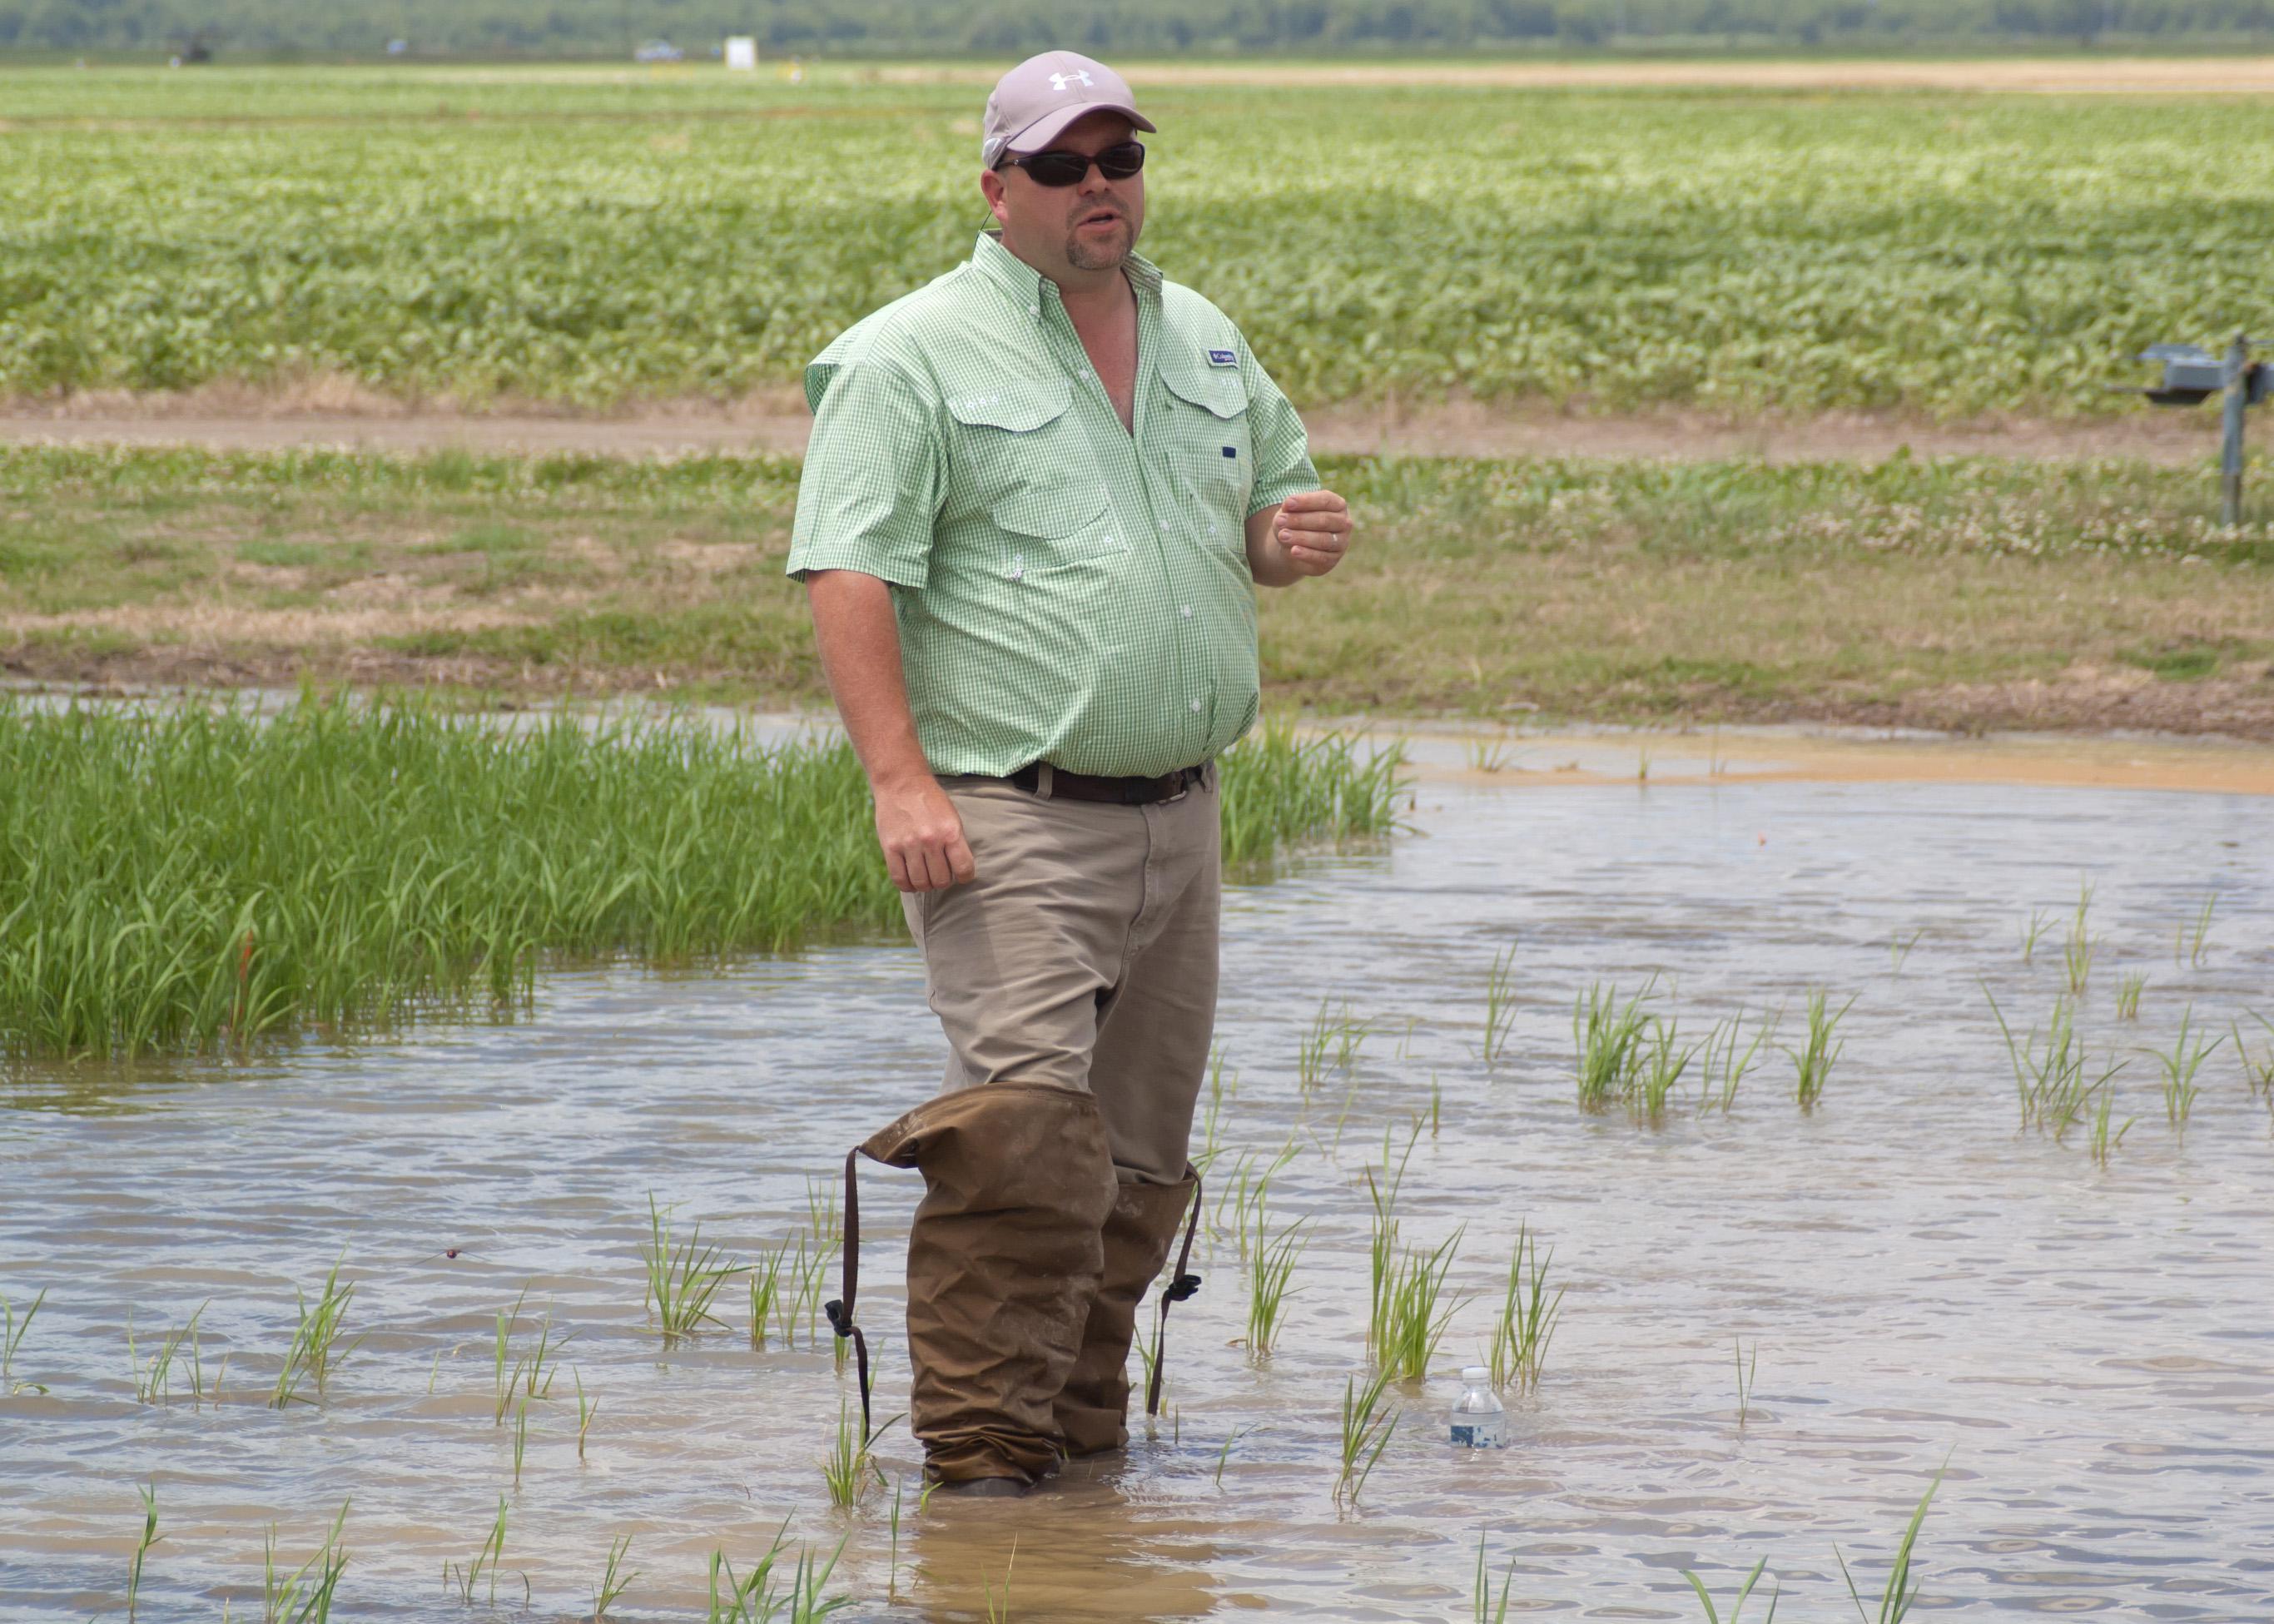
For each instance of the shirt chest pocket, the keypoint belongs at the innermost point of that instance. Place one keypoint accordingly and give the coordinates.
(1208, 445)
(1026, 472)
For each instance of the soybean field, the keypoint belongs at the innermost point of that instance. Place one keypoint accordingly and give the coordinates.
(599, 238)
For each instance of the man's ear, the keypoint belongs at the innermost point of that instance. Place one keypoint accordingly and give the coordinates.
(990, 187)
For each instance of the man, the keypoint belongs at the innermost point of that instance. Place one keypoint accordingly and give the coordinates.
(1037, 497)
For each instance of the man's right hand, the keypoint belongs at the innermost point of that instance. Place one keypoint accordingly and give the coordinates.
(923, 837)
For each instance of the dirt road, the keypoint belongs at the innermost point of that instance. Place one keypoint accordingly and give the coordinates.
(777, 425)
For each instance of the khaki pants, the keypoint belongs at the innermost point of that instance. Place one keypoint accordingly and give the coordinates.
(1084, 954)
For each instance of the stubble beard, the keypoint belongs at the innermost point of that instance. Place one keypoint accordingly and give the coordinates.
(1085, 256)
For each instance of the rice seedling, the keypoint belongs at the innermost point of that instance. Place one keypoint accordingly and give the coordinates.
(1641, 765)
(1414, 1312)
(1527, 1316)
(681, 1283)
(1480, 1597)
(1652, 1082)
(1436, 1103)
(316, 1347)
(1340, 1037)
(12, 1332)
(153, 1382)
(2257, 1069)
(1899, 948)
(766, 1292)
(2127, 996)
(1249, 1190)
(520, 1437)
(1231, 1440)
(1608, 1036)
(759, 1598)
(1489, 755)
(1746, 1365)
(2077, 950)
(2102, 1145)
(849, 1469)
(2053, 1083)
(613, 1581)
(2180, 1065)
(1720, 1057)
(1270, 1270)
(281, 1599)
(1500, 1003)
(150, 1537)
(1382, 1245)
(2193, 937)
(998, 1607)
(1365, 1433)
(1211, 1145)
(2032, 931)
(1813, 1060)
(1898, 1595)
(463, 1577)
(586, 1409)
(530, 1375)
(1736, 1607)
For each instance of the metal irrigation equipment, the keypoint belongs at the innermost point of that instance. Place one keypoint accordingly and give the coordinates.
(2191, 376)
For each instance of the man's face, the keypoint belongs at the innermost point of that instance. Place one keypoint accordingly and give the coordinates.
(1090, 226)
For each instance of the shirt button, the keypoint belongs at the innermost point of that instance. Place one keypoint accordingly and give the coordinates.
(1185, 610)
(1165, 524)
(1034, 310)
(1196, 704)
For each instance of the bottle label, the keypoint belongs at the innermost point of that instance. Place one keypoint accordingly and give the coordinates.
(1466, 1437)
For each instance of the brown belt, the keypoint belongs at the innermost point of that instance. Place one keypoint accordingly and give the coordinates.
(1056, 784)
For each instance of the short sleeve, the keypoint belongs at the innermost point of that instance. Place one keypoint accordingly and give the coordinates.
(1283, 448)
(875, 471)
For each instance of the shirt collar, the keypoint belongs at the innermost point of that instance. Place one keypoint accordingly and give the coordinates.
(1024, 282)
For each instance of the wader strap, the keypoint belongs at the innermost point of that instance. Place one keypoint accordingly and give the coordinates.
(840, 1310)
(1182, 1284)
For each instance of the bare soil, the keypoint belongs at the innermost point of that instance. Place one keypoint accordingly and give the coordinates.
(333, 412)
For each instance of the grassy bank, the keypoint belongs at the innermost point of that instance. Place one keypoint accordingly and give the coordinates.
(187, 879)
(1966, 593)
(589, 236)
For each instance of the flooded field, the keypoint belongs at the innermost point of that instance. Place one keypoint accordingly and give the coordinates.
(1914, 1275)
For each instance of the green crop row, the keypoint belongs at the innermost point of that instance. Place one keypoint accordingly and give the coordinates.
(596, 241)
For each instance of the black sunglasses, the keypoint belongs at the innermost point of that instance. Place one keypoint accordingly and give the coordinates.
(1070, 169)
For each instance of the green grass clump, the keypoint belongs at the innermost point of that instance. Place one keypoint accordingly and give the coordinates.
(1527, 1315)
(186, 878)
(681, 1280)
(1820, 1050)
(316, 1346)
(1610, 1038)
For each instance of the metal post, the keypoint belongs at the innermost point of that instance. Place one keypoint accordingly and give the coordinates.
(2230, 450)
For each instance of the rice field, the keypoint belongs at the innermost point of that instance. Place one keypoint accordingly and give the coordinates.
(593, 237)
(182, 878)
(558, 1349)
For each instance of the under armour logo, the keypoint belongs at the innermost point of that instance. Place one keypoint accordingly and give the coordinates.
(1059, 81)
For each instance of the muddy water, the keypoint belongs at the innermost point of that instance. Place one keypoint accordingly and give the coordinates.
(2091, 1351)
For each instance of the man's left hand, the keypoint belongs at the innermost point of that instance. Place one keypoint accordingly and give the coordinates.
(1313, 530)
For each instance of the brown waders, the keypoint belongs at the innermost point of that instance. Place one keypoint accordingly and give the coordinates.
(1025, 1262)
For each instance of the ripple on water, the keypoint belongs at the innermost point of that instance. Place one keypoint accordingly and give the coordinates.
(1917, 1281)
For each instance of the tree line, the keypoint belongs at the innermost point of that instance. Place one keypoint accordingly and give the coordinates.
(1159, 28)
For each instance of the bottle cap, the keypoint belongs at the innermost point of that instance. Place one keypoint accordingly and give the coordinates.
(1475, 1375)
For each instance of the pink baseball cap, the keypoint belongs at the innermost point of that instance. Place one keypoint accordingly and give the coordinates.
(1040, 97)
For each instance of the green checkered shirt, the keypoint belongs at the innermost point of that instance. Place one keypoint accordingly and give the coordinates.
(1066, 591)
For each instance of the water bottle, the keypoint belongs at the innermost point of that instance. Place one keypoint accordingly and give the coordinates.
(1480, 1420)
